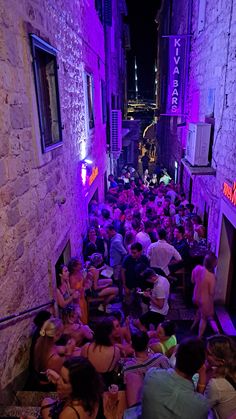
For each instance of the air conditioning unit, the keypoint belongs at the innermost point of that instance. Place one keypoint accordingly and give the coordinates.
(116, 132)
(198, 142)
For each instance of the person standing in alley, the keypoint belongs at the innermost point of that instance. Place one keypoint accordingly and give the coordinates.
(117, 252)
(145, 161)
(162, 253)
(204, 280)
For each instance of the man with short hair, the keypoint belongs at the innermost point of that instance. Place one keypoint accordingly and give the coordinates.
(132, 266)
(161, 253)
(158, 300)
(117, 252)
(180, 243)
(143, 238)
(170, 393)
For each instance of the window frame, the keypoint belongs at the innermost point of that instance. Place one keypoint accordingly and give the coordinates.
(103, 101)
(89, 128)
(38, 43)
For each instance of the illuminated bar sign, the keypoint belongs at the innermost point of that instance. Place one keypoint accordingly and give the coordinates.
(230, 192)
(176, 75)
(88, 175)
(93, 175)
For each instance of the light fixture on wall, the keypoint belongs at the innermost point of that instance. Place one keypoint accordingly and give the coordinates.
(88, 161)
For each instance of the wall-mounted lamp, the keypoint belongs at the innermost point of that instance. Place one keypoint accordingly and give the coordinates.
(88, 161)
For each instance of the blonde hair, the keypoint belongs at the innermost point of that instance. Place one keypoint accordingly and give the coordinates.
(45, 343)
(51, 327)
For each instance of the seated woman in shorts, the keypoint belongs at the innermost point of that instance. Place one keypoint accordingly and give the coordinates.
(100, 287)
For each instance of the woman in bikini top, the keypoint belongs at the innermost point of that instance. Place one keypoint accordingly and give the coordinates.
(80, 388)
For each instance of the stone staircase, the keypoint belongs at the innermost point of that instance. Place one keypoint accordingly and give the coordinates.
(26, 403)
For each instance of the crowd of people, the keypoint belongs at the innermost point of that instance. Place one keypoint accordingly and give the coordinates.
(137, 242)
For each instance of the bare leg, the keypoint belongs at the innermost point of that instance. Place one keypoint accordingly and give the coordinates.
(202, 327)
(109, 294)
(196, 320)
(107, 282)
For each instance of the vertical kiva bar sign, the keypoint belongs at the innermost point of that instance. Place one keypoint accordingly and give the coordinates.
(176, 68)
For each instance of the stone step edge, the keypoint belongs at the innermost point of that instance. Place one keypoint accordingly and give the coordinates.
(225, 321)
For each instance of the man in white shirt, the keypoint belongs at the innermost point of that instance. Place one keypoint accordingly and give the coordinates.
(143, 238)
(161, 253)
(158, 300)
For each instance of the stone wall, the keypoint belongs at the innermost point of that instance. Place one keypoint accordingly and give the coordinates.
(211, 92)
(34, 227)
(212, 71)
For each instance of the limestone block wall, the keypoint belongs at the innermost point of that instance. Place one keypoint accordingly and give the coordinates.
(34, 228)
(212, 74)
(210, 92)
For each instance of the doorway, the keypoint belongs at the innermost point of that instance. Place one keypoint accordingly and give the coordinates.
(63, 259)
(226, 269)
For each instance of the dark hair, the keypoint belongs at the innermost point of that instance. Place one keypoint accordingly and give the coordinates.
(148, 273)
(59, 270)
(139, 341)
(151, 198)
(197, 219)
(190, 207)
(190, 356)
(73, 262)
(162, 234)
(180, 229)
(102, 332)
(210, 261)
(41, 318)
(111, 227)
(137, 246)
(137, 215)
(118, 315)
(144, 201)
(105, 213)
(169, 327)
(85, 382)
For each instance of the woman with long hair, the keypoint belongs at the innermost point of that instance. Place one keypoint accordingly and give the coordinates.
(79, 388)
(221, 369)
(102, 353)
(46, 353)
(65, 295)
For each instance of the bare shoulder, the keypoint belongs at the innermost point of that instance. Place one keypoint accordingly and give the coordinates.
(68, 413)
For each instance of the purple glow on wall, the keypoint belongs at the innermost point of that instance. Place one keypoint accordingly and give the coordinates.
(84, 174)
(176, 76)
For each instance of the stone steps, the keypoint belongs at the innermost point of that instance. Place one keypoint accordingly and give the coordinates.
(26, 403)
(225, 321)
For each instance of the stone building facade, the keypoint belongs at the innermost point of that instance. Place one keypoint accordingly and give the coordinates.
(44, 196)
(210, 97)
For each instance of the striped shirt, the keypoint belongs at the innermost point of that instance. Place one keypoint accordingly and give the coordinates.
(140, 367)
